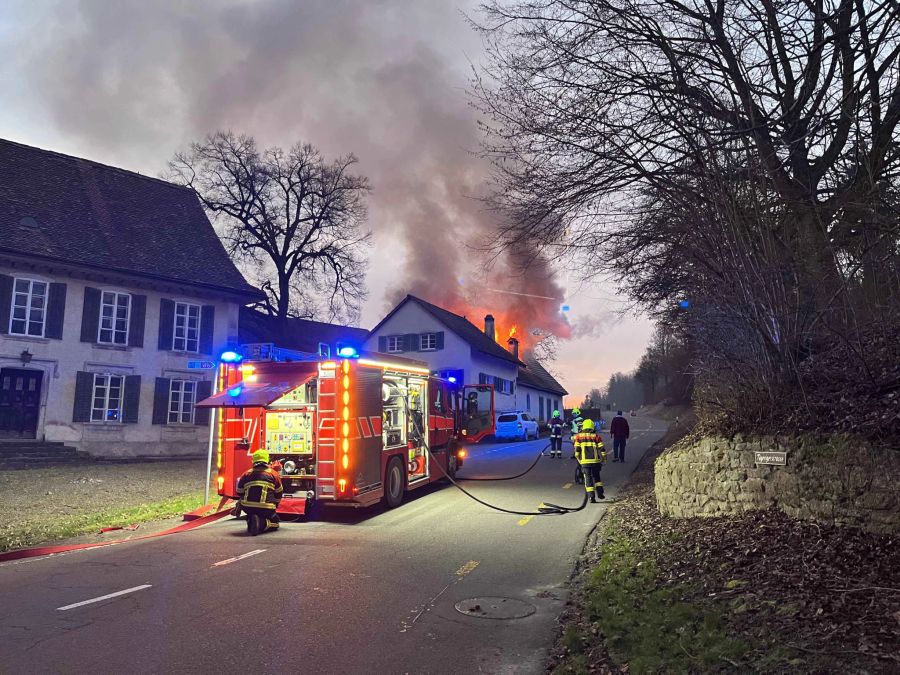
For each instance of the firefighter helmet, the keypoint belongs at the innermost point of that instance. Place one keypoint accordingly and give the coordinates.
(556, 413)
(587, 425)
(576, 412)
(260, 457)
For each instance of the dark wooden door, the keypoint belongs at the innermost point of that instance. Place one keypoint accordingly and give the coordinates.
(20, 402)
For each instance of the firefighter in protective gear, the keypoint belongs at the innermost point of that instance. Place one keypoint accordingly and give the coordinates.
(259, 491)
(556, 434)
(575, 426)
(576, 421)
(590, 455)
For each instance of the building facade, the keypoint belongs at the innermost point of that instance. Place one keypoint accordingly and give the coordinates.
(453, 346)
(537, 391)
(115, 298)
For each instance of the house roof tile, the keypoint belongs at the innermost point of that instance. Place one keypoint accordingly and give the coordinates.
(63, 208)
(299, 334)
(536, 376)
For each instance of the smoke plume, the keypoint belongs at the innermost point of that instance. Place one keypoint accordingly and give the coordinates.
(130, 82)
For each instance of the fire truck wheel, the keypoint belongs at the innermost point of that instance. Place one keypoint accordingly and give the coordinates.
(394, 483)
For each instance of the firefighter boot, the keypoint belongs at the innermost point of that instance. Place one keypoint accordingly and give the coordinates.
(599, 487)
(271, 524)
(254, 524)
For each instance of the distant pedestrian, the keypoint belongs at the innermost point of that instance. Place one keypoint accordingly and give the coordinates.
(590, 455)
(556, 434)
(620, 433)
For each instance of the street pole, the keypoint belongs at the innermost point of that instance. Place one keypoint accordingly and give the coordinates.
(212, 426)
(209, 455)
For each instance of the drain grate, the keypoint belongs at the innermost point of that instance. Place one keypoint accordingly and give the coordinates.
(495, 607)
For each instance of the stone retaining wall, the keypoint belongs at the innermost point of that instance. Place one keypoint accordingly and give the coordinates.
(835, 481)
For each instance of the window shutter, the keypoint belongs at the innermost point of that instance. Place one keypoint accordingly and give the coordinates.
(166, 324)
(136, 323)
(412, 342)
(382, 343)
(207, 323)
(131, 401)
(90, 314)
(440, 339)
(6, 292)
(201, 415)
(84, 392)
(56, 311)
(161, 401)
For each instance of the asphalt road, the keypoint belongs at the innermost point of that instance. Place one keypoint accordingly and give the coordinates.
(352, 592)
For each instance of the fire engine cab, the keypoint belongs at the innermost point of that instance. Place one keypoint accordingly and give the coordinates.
(354, 430)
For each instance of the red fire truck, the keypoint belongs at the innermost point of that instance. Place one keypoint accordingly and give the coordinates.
(351, 431)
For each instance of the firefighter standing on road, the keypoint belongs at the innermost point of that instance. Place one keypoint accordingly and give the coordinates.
(259, 491)
(590, 454)
(575, 425)
(576, 420)
(556, 434)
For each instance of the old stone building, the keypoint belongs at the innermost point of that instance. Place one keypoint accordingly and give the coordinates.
(116, 296)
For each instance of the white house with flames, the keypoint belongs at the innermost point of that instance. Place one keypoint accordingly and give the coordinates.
(453, 346)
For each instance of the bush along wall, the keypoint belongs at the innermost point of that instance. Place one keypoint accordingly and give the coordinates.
(836, 480)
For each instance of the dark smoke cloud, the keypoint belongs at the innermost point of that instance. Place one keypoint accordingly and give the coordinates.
(135, 81)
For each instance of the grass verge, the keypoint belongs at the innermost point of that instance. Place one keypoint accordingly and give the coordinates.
(20, 535)
(649, 626)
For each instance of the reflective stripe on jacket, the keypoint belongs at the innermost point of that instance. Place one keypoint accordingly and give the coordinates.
(588, 448)
(556, 427)
(260, 487)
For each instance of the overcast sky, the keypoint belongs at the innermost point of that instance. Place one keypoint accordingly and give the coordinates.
(129, 82)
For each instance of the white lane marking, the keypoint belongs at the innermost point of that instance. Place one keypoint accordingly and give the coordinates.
(104, 597)
(239, 557)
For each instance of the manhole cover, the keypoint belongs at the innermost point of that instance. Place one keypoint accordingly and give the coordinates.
(492, 607)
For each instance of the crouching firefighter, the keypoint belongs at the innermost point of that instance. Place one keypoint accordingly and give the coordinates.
(556, 434)
(259, 491)
(590, 455)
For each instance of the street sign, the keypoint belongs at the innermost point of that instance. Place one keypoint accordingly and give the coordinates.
(775, 458)
(201, 365)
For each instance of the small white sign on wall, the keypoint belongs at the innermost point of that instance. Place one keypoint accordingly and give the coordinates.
(774, 458)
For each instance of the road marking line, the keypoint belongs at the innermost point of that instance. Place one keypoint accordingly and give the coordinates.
(239, 557)
(567, 486)
(468, 567)
(104, 597)
(524, 521)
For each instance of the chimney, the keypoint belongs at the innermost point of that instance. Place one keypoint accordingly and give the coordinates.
(489, 326)
(513, 346)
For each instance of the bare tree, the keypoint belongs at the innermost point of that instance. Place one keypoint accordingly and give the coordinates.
(740, 156)
(297, 217)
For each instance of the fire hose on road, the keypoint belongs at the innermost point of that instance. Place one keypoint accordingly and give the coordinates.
(544, 510)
